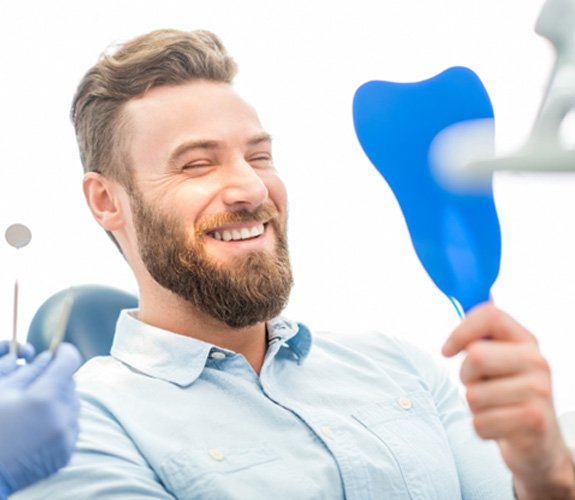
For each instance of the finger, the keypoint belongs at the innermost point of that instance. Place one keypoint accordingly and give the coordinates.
(25, 351)
(7, 364)
(485, 321)
(530, 421)
(4, 347)
(26, 374)
(67, 359)
(65, 362)
(492, 359)
(503, 392)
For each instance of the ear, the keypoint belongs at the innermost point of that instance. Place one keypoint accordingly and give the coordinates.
(104, 197)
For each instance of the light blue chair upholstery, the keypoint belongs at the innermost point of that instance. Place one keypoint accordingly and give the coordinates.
(92, 321)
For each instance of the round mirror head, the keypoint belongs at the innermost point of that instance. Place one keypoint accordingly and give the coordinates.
(18, 235)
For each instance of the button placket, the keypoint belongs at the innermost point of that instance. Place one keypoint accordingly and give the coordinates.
(266, 385)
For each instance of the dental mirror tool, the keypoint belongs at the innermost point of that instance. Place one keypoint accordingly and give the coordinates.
(17, 236)
(60, 330)
(551, 143)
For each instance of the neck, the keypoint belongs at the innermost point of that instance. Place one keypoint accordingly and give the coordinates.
(164, 309)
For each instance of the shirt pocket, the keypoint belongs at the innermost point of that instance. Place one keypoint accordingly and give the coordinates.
(216, 472)
(409, 428)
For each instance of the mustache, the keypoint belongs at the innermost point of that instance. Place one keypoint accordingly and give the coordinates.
(263, 213)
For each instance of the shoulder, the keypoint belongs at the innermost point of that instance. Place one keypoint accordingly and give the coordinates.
(104, 381)
(376, 353)
(381, 347)
(102, 370)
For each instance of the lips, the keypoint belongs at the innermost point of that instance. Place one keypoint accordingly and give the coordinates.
(237, 233)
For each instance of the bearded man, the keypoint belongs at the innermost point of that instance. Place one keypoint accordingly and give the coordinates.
(208, 391)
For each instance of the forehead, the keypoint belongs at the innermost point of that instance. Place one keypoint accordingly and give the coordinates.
(164, 117)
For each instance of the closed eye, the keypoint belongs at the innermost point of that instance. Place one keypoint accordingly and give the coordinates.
(196, 165)
(261, 160)
(197, 168)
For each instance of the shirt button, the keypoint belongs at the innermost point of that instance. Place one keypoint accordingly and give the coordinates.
(327, 432)
(267, 386)
(218, 355)
(404, 403)
(216, 454)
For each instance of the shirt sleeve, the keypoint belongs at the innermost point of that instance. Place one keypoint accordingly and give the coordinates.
(482, 472)
(106, 464)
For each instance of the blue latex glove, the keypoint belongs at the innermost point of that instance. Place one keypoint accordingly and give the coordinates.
(8, 362)
(38, 418)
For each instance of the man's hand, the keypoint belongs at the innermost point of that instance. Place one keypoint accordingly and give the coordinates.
(38, 417)
(509, 393)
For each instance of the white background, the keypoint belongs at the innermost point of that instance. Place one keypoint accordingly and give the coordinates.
(300, 64)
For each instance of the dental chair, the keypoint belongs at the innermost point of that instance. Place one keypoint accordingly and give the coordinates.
(93, 314)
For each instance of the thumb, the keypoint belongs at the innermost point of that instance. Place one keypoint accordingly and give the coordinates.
(64, 363)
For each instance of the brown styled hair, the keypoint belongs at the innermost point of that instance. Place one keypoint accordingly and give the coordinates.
(161, 57)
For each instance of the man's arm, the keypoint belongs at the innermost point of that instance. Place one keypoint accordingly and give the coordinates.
(509, 393)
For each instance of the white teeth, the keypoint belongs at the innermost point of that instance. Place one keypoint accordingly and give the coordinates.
(239, 234)
(257, 230)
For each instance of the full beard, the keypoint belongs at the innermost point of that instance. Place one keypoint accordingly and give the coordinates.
(243, 292)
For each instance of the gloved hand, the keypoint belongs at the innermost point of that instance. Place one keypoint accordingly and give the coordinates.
(8, 362)
(38, 418)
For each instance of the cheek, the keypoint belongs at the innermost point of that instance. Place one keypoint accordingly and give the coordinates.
(188, 201)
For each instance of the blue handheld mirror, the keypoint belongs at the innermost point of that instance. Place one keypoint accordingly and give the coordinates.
(455, 232)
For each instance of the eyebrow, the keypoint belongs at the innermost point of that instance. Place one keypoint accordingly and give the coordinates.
(258, 139)
(211, 145)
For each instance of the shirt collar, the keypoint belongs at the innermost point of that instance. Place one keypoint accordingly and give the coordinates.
(181, 359)
(295, 336)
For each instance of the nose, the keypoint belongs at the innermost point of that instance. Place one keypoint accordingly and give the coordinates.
(244, 188)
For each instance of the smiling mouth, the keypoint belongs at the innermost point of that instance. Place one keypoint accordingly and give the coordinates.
(238, 234)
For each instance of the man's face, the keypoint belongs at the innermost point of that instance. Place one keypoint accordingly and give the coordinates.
(208, 206)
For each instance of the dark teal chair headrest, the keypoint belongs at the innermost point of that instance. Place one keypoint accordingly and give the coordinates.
(92, 321)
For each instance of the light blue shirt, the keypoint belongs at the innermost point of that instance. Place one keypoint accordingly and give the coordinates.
(348, 416)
